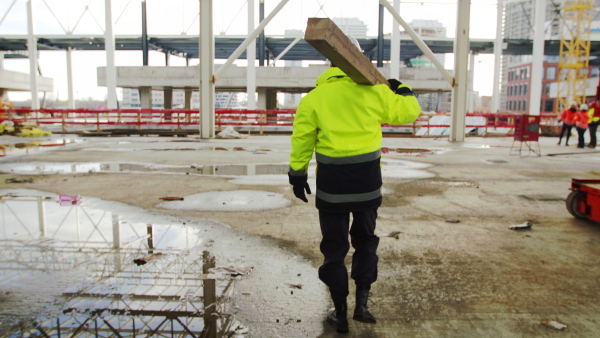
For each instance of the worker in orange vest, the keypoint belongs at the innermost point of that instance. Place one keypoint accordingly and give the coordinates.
(567, 117)
(581, 123)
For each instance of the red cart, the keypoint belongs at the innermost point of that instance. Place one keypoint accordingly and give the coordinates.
(527, 132)
(584, 200)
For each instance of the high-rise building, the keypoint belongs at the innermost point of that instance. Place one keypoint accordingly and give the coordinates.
(351, 26)
(131, 99)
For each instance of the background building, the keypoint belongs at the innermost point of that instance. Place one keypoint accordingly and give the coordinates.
(516, 70)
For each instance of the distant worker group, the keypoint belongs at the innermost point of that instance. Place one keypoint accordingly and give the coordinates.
(583, 118)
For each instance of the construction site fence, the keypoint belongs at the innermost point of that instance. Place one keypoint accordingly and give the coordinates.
(184, 119)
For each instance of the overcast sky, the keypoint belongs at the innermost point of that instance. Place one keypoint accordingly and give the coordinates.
(176, 17)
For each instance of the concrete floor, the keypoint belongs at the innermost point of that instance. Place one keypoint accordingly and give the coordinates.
(469, 279)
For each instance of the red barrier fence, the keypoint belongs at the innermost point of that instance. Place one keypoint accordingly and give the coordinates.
(190, 118)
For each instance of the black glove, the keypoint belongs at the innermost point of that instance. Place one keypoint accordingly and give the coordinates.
(400, 88)
(299, 184)
(394, 84)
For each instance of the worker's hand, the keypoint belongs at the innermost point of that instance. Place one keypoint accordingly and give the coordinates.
(400, 88)
(299, 185)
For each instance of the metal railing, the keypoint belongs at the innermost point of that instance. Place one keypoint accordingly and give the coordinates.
(189, 119)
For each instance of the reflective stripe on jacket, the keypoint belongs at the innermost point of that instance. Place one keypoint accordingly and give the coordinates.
(591, 113)
(341, 121)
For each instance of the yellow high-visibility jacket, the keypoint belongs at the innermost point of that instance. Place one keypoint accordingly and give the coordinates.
(341, 121)
(593, 118)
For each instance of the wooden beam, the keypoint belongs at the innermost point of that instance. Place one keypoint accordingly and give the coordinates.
(331, 42)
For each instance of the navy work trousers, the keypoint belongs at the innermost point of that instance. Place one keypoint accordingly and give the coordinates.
(335, 246)
(565, 128)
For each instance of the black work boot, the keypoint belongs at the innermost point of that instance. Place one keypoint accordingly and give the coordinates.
(338, 318)
(361, 312)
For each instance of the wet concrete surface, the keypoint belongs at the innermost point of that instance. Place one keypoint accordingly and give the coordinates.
(470, 279)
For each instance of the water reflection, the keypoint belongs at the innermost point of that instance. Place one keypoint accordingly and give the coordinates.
(66, 168)
(33, 147)
(85, 258)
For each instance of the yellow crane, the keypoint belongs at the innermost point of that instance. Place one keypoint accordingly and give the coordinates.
(574, 57)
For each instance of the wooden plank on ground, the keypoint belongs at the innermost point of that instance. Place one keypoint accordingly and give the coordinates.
(331, 42)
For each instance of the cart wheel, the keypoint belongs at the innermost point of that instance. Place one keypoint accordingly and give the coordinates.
(572, 199)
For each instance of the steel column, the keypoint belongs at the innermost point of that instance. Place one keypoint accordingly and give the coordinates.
(380, 38)
(70, 88)
(395, 46)
(144, 35)
(498, 46)
(461, 59)
(471, 91)
(146, 97)
(41, 213)
(33, 57)
(537, 62)
(116, 231)
(251, 58)
(109, 46)
(168, 97)
(261, 37)
(207, 57)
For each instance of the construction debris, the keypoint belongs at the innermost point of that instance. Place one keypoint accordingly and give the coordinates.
(393, 234)
(148, 258)
(555, 325)
(526, 225)
(452, 220)
(230, 270)
(19, 180)
(229, 132)
(171, 198)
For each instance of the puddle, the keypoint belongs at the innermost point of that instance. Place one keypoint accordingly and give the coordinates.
(34, 147)
(45, 168)
(494, 161)
(251, 150)
(69, 271)
(239, 200)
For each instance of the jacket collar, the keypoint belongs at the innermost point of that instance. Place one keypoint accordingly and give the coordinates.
(332, 74)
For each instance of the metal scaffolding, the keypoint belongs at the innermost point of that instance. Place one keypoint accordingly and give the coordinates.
(574, 57)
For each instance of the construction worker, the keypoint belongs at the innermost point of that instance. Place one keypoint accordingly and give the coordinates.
(593, 122)
(581, 123)
(567, 117)
(341, 121)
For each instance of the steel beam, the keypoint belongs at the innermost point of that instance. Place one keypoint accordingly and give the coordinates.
(461, 59)
(287, 49)
(419, 42)
(236, 54)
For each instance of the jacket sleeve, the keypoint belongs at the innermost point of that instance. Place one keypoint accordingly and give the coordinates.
(304, 139)
(401, 108)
